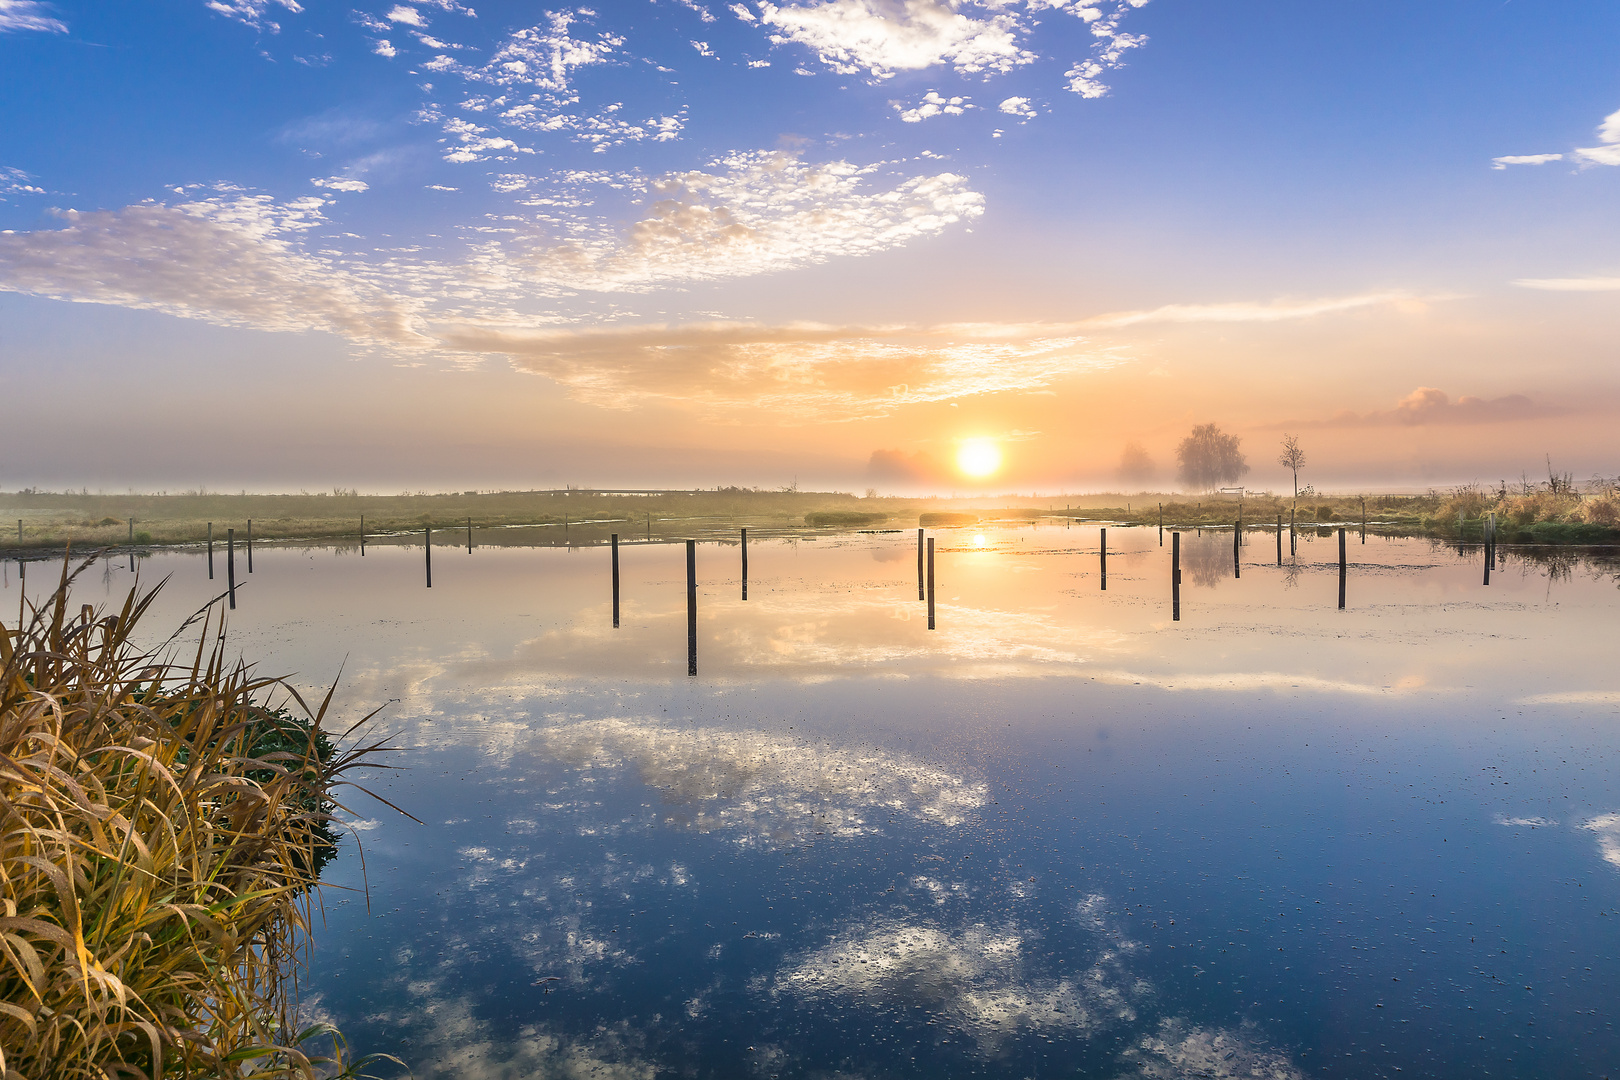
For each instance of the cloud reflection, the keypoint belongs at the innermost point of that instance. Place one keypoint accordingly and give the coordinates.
(767, 790)
(974, 977)
(1178, 1051)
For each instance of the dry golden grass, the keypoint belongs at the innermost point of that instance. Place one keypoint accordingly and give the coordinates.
(157, 862)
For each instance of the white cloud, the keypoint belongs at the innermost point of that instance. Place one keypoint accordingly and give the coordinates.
(1524, 159)
(408, 16)
(1609, 152)
(385, 48)
(16, 182)
(759, 63)
(883, 37)
(702, 12)
(1017, 106)
(743, 13)
(1245, 311)
(1581, 284)
(702, 48)
(475, 143)
(20, 15)
(543, 56)
(251, 12)
(342, 183)
(1107, 54)
(933, 104)
(229, 260)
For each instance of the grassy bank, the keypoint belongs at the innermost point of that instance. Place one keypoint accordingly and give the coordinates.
(50, 521)
(161, 833)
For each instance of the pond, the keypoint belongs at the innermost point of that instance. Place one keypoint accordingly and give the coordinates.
(1061, 834)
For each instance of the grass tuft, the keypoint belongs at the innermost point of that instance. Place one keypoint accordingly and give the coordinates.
(161, 831)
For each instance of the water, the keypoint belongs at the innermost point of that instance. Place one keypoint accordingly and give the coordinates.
(1061, 835)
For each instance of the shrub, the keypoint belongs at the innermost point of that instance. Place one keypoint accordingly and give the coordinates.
(1325, 513)
(944, 519)
(143, 537)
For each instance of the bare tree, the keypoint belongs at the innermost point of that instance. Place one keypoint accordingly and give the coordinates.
(1135, 466)
(1209, 458)
(1292, 457)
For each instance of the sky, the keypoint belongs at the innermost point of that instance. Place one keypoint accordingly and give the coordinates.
(288, 244)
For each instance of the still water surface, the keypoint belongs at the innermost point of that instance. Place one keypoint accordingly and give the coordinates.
(1061, 835)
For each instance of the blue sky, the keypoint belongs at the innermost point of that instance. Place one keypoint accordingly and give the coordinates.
(705, 243)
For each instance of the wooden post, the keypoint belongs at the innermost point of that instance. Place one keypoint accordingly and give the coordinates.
(1102, 550)
(1293, 537)
(1237, 542)
(1490, 546)
(1175, 576)
(920, 594)
(1279, 539)
(427, 549)
(362, 536)
(250, 545)
(691, 607)
(230, 565)
(615, 581)
(469, 536)
(1341, 569)
(1161, 524)
(745, 563)
(930, 583)
(210, 551)
(1364, 519)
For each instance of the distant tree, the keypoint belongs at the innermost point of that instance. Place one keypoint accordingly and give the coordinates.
(1293, 458)
(1209, 458)
(1135, 466)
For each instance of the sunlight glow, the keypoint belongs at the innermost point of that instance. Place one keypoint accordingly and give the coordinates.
(978, 540)
(978, 457)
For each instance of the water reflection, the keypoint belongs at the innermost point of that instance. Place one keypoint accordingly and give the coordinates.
(1062, 834)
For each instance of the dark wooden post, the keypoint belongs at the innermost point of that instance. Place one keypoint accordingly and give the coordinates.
(1237, 544)
(469, 536)
(1175, 576)
(1293, 538)
(1364, 519)
(1341, 569)
(745, 563)
(1161, 524)
(1490, 546)
(230, 565)
(362, 536)
(427, 548)
(250, 545)
(1279, 539)
(930, 583)
(691, 607)
(210, 551)
(615, 581)
(1102, 551)
(920, 594)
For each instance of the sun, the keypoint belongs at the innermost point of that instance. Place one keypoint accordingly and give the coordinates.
(978, 457)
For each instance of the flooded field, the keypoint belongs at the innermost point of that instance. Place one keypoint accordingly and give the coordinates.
(1061, 834)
